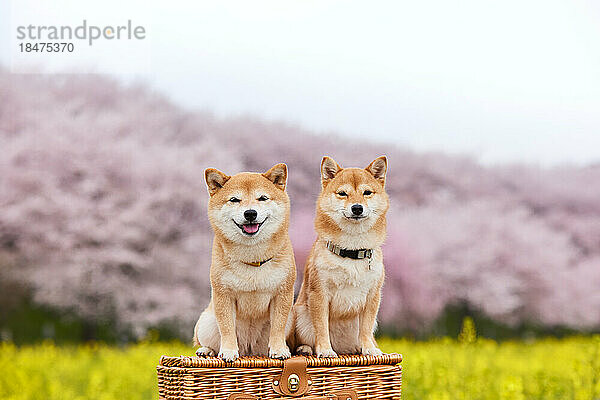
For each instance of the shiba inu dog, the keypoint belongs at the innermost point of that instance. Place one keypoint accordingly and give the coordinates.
(252, 271)
(337, 305)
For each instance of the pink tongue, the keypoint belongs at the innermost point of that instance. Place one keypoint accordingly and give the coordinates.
(251, 228)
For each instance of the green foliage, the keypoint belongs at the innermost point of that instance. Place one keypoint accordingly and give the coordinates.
(451, 320)
(467, 334)
(27, 322)
(438, 369)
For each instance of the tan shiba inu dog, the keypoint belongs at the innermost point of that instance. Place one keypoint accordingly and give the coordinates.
(337, 306)
(252, 272)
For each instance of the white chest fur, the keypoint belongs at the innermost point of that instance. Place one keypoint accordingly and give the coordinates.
(253, 306)
(253, 287)
(241, 277)
(349, 281)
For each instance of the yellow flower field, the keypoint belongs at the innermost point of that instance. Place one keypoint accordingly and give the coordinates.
(467, 368)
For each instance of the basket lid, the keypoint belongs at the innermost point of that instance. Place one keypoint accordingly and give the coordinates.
(264, 362)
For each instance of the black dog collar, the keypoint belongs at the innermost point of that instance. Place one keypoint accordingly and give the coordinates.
(347, 253)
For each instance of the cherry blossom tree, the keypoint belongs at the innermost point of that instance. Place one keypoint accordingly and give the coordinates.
(103, 212)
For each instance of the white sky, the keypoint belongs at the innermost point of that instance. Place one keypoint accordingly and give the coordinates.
(500, 80)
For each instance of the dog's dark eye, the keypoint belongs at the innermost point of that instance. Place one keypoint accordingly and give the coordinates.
(367, 192)
(342, 193)
(234, 200)
(263, 198)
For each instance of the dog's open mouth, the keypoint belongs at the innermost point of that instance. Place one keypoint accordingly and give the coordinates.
(250, 228)
(355, 217)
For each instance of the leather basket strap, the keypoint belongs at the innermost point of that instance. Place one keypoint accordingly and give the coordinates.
(346, 394)
(294, 380)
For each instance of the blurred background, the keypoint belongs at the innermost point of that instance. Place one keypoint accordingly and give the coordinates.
(488, 113)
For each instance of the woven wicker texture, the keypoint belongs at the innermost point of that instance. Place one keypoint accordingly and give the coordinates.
(372, 377)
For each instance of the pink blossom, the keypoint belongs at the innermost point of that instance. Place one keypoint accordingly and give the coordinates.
(103, 212)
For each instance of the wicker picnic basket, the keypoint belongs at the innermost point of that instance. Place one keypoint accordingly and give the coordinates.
(301, 378)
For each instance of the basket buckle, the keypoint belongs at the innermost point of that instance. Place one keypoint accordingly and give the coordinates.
(293, 382)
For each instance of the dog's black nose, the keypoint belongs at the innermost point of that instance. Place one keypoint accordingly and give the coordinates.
(357, 209)
(250, 215)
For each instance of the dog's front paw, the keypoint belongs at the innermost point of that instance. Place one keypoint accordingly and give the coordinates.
(371, 351)
(282, 353)
(204, 351)
(327, 353)
(304, 350)
(229, 355)
(354, 350)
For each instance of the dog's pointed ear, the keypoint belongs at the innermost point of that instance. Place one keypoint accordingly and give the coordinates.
(329, 169)
(278, 175)
(215, 180)
(378, 168)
